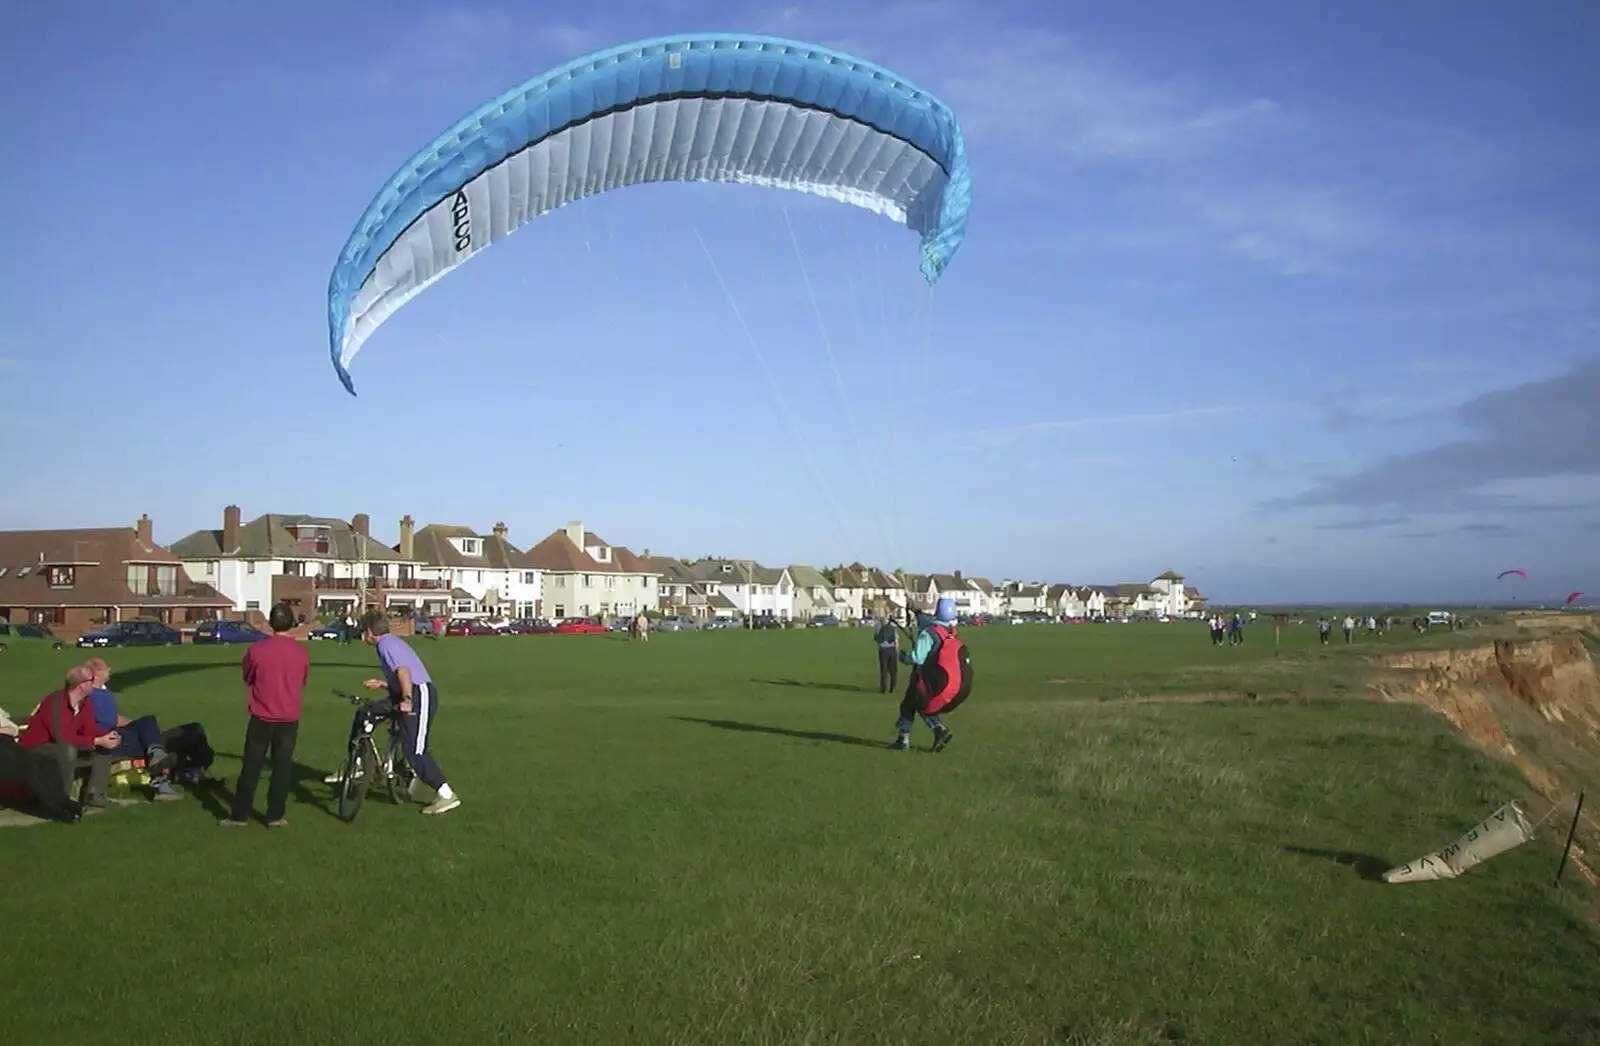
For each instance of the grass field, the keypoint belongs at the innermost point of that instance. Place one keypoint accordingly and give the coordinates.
(703, 840)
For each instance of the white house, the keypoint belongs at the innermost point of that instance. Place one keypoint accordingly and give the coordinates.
(1172, 596)
(486, 576)
(320, 565)
(1026, 598)
(754, 590)
(813, 594)
(587, 576)
(864, 592)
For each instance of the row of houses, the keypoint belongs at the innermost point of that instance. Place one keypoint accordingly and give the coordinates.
(76, 580)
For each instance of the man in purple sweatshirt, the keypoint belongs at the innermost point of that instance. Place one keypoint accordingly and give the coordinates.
(411, 690)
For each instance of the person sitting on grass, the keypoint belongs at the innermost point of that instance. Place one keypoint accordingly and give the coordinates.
(931, 633)
(139, 738)
(66, 719)
(412, 693)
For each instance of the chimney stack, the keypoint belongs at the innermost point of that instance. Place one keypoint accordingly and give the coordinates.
(143, 529)
(575, 533)
(500, 531)
(230, 530)
(361, 525)
(407, 541)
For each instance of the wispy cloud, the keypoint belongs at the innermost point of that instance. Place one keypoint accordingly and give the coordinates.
(1537, 430)
(1009, 434)
(1369, 523)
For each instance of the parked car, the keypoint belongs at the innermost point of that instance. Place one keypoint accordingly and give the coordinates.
(216, 631)
(578, 626)
(715, 623)
(24, 634)
(421, 625)
(676, 623)
(462, 627)
(331, 630)
(132, 633)
(621, 623)
(824, 621)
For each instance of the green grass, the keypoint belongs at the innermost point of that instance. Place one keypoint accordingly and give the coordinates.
(674, 843)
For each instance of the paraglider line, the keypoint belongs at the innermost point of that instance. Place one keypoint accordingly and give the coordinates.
(777, 392)
(833, 361)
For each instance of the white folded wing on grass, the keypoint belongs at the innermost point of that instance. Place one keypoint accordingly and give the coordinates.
(1502, 830)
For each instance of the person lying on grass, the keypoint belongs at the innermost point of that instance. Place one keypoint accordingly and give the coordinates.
(138, 738)
(412, 692)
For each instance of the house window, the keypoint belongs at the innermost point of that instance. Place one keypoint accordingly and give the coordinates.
(55, 616)
(60, 577)
(611, 582)
(405, 571)
(377, 571)
(560, 611)
(529, 577)
(250, 567)
(588, 580)
(478, 576)
(469, 546)
(293, 568)
(254, 604)
(211, 568)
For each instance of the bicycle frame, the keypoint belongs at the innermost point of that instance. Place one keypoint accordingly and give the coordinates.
(363, 760)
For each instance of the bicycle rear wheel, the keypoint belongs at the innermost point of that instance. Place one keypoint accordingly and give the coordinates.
(401, 778)
(358, 766)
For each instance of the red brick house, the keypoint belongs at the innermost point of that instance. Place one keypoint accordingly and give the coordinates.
(75, 581)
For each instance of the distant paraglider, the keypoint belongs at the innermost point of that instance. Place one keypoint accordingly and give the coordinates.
(1504, 573)
(1573, 598)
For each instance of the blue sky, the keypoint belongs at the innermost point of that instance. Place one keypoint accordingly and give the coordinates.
(1301, 300)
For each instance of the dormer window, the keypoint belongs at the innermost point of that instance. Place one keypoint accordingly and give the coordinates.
(60, 577)
(469, 546)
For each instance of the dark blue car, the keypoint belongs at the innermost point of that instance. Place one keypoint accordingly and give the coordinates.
(226, 632)
(132, 633)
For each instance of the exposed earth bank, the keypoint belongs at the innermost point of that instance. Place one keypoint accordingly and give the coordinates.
(1531, 697)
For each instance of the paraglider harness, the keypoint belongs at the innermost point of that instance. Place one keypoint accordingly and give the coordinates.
(945, 678)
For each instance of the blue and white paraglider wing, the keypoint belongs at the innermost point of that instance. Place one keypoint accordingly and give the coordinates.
(713, 107)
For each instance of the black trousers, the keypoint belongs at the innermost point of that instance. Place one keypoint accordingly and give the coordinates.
(259, 736)
(888, 668)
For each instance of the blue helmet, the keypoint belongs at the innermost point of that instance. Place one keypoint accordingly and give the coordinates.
(944, 611)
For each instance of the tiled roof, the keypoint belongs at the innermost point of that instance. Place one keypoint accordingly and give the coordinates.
(557, 554)
(100, 560)
(268, 537)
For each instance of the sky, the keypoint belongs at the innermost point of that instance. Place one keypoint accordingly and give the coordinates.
(1300, 300)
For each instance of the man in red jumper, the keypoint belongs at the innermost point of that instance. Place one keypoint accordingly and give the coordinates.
(275, 671)
(66, 718)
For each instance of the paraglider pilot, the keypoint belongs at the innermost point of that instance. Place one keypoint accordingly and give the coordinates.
(920, 655)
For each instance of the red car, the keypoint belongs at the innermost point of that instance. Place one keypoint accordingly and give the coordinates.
(468, 628)
(578, 626)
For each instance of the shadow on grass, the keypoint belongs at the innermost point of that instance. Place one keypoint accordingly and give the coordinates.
(306, 788)
(756, 728)
(1367, 866)
(129, 678)
(847, 687)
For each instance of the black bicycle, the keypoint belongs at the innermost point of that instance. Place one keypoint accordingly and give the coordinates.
(365, 766)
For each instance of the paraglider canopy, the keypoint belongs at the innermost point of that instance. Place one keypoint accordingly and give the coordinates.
(1503, 573)
(712, 107)
(1573, 598)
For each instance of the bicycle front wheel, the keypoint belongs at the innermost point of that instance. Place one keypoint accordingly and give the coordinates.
(362, 761)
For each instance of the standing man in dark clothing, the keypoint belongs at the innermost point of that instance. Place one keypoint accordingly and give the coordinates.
(275, 671)
(888, 655)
